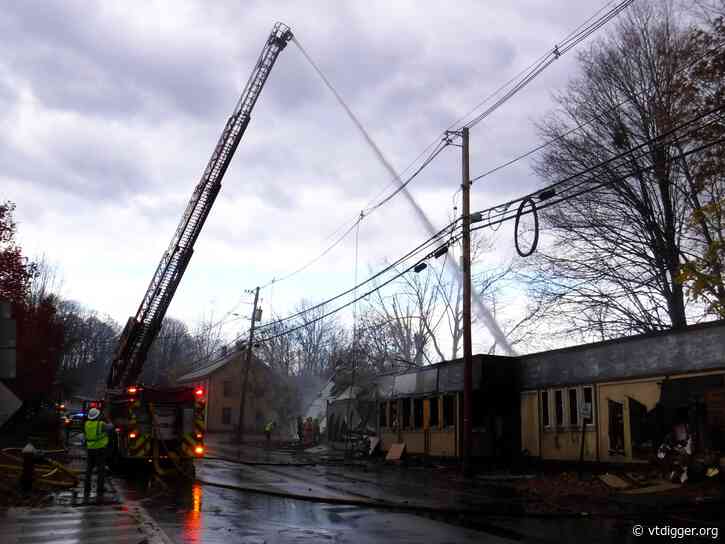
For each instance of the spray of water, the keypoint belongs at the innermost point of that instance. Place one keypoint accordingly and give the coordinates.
(481, 310)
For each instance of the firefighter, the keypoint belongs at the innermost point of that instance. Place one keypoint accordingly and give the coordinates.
(268, 428)
(300, 428)
(309, 432)
(96, 434)
(316, 431)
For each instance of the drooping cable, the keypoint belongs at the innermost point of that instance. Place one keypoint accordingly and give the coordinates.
(584, 124)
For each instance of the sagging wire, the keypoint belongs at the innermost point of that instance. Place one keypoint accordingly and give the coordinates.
(550, 190)
(535, 243)
(580, 126)
(554, 54)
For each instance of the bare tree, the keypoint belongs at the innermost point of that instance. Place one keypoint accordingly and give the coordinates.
(47, 281)
(208, 337)
(316, 339)
(170, 353)
(279, 350)
(89, 343)
(613, 265)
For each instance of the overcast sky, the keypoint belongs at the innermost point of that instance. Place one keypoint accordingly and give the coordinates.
(110, 112)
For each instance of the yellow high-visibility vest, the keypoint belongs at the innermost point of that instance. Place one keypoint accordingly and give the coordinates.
(96, 437)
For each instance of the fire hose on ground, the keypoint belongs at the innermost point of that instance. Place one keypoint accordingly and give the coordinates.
(42, 471)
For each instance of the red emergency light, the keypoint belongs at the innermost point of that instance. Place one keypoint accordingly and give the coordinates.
(132, 435)
(94, 405)
(199, 436)
(199, 391)
(199, 450)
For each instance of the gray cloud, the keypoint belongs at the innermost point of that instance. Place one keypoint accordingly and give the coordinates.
(75, 58)
(114, 109)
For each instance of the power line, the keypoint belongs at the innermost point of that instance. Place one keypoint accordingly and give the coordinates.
(504, 215)
(570, 41)
(549, 58)
(421, 247)
(457, 237)
(364, 214)
(318, 257)
(526, 70)
(430, 241)
(657, 140)
(501, 218)
(583, 124)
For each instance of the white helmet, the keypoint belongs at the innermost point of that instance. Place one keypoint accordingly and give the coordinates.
(93, 413)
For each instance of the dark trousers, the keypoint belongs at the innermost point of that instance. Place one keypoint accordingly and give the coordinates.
(96, 458)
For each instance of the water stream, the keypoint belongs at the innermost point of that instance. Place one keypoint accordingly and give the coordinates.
(481, 310)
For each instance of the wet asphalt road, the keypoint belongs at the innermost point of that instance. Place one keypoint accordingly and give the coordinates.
(209, 514)
(199, 513)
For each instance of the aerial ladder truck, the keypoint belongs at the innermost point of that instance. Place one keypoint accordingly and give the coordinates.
(154, 424)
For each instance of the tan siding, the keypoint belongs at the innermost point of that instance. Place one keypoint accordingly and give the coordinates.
(414, 441)
(443, 443)
(260, 397)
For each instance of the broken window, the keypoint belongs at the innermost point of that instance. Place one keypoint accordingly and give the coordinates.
(559, 407)
(418, 413)
(545, 408)
(449, 410)
(616, 428)
(226, 416)
(434, 411)
(640, 429)
(589, 401)
(406, 413)
(573, 407)
(383, 414)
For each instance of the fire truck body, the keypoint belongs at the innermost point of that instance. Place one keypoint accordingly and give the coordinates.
(158, 424)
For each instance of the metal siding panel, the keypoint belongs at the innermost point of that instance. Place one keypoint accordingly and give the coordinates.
(405, 385)
(426, 381)
(680, 352)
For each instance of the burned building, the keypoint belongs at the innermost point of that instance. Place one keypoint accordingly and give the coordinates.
(617, 398)
(624, 395)
(424, 408)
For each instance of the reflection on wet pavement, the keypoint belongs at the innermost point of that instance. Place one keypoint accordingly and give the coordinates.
(198, 513)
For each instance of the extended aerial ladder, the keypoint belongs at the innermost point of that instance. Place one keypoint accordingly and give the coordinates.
(141, 330)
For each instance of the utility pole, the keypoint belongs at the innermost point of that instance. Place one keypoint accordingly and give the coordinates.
(467, 345)
(247, 364)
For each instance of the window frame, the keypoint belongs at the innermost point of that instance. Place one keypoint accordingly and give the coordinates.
(591, 421)
(227, 389)
(559, 424)
(577, 407)
(434, 403)
(546, 409)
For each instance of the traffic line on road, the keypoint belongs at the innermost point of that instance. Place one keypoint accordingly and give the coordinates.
(103, 524)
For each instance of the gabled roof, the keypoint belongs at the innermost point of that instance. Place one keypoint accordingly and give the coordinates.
(209, 369)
